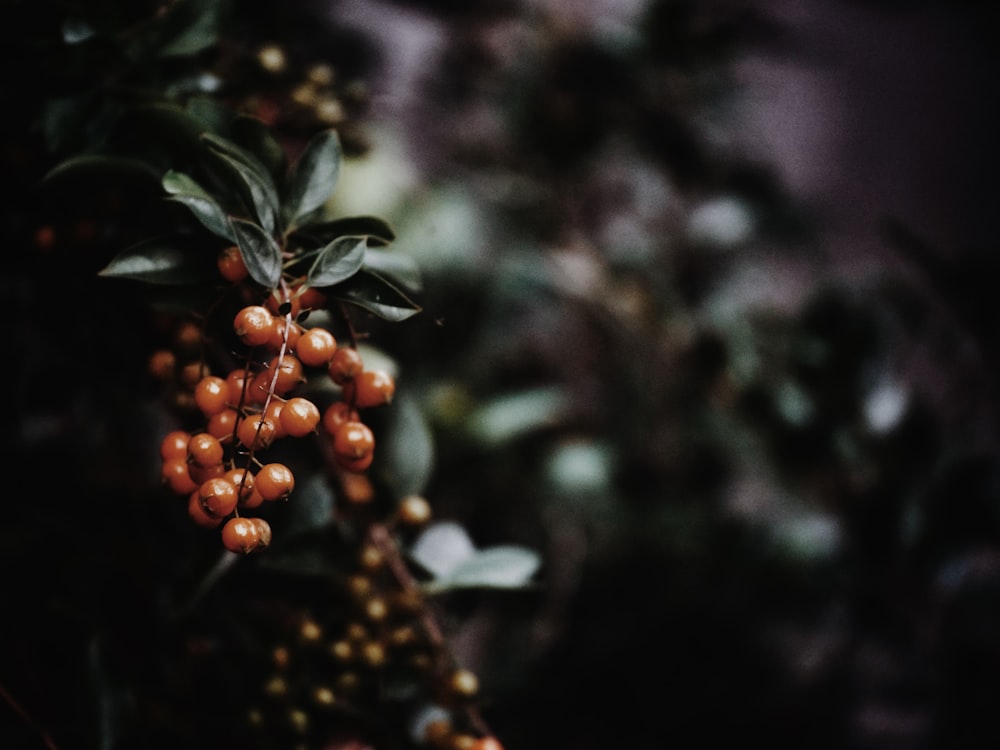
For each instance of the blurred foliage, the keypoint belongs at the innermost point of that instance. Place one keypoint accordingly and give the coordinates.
(766, 495)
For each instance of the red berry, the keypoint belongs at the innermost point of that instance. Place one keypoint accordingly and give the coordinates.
(336, 414)
(176, 476)
(175, 444)
(198, 514)
(211, 394)
(256, 432)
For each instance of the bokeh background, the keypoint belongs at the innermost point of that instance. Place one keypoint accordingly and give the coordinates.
(708, 323)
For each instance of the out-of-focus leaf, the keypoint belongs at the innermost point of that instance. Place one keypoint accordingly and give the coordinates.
(254, 175)
(313, 177)
(374, 294)
(510, 416)
(161, 260)
(260, 252)
(442, 548)
(186, 29)
(254, 135)
(396, 268)
(407, 451)
(503, 566)
(186, 190)
(337, 261)
(100, 165)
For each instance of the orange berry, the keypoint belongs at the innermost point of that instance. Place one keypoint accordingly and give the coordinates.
(263, 532)
(487, 743)
(345, 365)
(221, 425)
(175, 444)
(198, 514)
(311, 298)
(299, 416)
(289, 373)
(273, 413)
(218, 496)
(279, 338)
(211, 394)
(191, 372)
(231, 264)
(256, 432)
(315, 347)
(336, 414)
(162, 364)
(274, 481)
(176, 476)
(235, 381)
(203, 473)
(353, 441)
(205, 449)
(240, 534)
(254, 325)
(372, 388)
(242, 480)
(278, 304)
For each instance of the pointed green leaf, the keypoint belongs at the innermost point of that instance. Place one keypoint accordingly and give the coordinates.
(162, 260)
(260, 252)
(313, 177)
(376, 295)
(254, 175)
(396, 268)
(337, 261)
(186, 190)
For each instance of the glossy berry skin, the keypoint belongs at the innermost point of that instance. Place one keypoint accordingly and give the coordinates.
(198, 514)
(218, 496)
(175, 444)
(274, 481)
(353, 441)
(254, 325)
(315, 347)
(371, 388)
(221, 425)
(299, 416)
(240, 534)
(487, 743)
(256, 432)
(211, 394)
(205, 449)
(336, 414)
(263, 532)
(345, 365)
(243, 481)
(176, 476)
(289, 339)
(289, 370)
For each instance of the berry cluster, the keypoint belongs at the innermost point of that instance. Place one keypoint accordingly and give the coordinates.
(219, 467)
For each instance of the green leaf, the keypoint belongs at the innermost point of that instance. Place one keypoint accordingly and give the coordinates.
(396, 268)
(162, 260)
(376, 295)
(501, 567)
(321, 232)
(337, 261)
(186, 190)
(89, 165)
(254, 135)
(254, 175)
(260, 252)
(407, 451)
(313, 177)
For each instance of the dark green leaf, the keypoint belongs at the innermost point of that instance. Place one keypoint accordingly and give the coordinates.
(375, 229)
(373, 293)
(260, 252)
(184, 30)
(399, 270)
(254, 175)
(313, 177)
(184, 189)
(89, 165)
(337, 261)
(162, 260)
(254, 135)
(407, 451)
